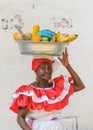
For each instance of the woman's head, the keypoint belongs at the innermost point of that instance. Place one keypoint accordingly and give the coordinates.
(43, 68)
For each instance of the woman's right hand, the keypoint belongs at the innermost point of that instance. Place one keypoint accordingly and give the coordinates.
(64, 59)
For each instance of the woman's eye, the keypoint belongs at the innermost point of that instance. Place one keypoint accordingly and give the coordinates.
(42, 68)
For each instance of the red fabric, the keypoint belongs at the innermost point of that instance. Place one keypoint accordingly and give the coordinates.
(23, 100)
(36, 62)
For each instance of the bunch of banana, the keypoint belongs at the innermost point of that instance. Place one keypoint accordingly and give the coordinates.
(68, 38)
(64, 38)
(56, 37)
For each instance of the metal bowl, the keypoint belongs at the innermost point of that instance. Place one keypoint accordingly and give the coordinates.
(28, 47)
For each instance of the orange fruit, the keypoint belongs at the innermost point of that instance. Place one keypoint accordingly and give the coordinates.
(17, 36)
(36, 38)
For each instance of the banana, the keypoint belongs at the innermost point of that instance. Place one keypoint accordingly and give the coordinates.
(53, 38)
(58, 36)
(68, 38)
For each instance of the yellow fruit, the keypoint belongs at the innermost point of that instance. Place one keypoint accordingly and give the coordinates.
(54, 38)
(35, 30)
(58, 35)
(68, 38)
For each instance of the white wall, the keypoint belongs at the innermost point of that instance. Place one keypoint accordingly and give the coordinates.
(15, 69)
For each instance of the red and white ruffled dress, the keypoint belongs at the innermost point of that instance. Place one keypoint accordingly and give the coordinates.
(44, 104)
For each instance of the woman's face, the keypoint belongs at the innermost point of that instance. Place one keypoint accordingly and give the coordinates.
(44, 71)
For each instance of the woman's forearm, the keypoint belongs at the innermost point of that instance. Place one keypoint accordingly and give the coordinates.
(22, 123)
(76, 79)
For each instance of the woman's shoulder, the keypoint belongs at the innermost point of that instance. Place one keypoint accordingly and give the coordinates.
(23, 88)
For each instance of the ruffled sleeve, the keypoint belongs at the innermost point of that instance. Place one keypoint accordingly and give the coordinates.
(54, 98)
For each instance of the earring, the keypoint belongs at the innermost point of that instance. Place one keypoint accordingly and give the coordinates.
(50, 82)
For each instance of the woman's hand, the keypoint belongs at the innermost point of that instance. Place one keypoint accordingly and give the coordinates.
(64, 59)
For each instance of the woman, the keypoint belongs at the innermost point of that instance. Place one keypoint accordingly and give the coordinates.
(38, 105)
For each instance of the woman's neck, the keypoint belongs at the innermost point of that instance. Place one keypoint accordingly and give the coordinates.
(43, 84)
